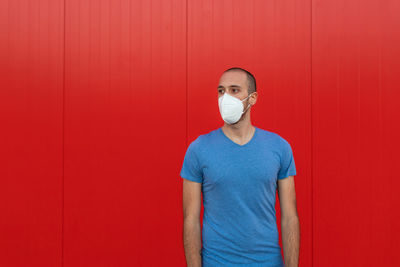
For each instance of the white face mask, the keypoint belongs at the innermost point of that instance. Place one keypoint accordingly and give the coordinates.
(231, 108)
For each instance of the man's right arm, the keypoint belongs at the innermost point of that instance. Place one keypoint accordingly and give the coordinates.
(191, 222)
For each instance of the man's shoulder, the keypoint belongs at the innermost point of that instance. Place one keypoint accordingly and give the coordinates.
(204, 138)
(271, 135)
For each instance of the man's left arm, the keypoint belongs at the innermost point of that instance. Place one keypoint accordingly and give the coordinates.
(290, 224)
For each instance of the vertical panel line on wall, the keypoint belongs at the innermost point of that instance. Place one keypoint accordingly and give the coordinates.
(312, 139)
(187, 80)
(63, 141)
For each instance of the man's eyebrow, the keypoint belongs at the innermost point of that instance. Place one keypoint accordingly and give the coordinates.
(233, 85)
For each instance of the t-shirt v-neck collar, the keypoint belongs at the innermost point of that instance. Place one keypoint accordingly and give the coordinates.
(236, 144)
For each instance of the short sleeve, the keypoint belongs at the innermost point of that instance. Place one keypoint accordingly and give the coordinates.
(191, 168)
(288, 167)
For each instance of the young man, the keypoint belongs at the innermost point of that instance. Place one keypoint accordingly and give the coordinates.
(238, 168)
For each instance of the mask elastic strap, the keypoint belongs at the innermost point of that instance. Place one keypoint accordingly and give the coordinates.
(248, 105)
(247, 97)
(246, 109)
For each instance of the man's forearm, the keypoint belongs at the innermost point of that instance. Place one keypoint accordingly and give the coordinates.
(290, 229)
(192, 242)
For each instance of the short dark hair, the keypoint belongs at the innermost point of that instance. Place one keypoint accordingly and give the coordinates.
(251, 81)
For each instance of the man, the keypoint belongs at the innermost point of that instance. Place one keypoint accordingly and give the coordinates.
(238, 168)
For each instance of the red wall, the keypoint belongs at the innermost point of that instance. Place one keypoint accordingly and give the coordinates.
(99, 100)
(355, 132)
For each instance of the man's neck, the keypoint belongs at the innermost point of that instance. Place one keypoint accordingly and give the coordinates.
(239, 133)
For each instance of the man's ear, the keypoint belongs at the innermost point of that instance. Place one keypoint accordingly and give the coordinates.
(255, 100)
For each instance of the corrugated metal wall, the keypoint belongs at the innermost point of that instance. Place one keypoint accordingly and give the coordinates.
(355, 132)
(99, 100)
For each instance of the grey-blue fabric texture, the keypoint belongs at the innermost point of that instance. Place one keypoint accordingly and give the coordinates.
(238, 184)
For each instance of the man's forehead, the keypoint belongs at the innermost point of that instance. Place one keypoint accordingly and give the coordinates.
(231, 78)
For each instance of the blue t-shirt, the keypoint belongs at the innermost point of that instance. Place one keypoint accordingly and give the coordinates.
(239, 183)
